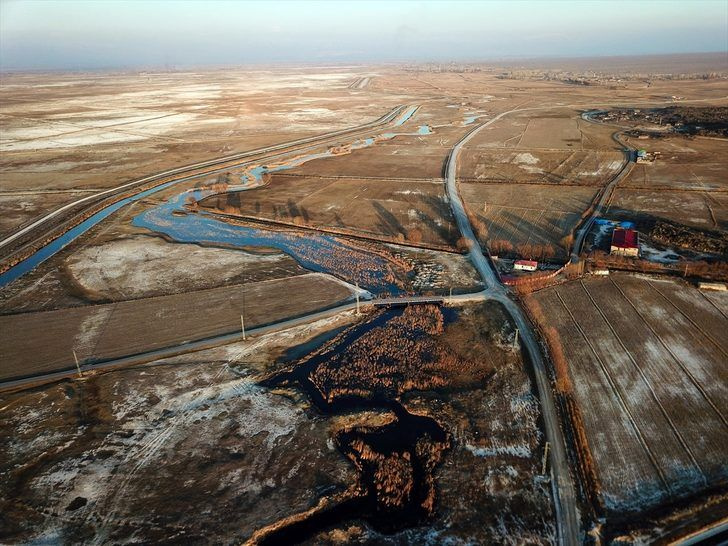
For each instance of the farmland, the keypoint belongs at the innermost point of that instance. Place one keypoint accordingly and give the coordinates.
(113, 330)
(402, 424)
(687, 164)
(699, 209)
(584, 168)
(374, 207)
(685, 185)
(647, 361)
(516, 215)
(528, 180)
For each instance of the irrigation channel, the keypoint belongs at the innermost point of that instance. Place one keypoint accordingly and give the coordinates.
(312, 251)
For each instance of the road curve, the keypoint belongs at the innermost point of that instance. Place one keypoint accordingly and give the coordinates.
(387, 118)
(567, 519)
(583, 231)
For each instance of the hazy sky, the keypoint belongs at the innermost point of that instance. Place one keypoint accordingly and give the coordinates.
(39, 34)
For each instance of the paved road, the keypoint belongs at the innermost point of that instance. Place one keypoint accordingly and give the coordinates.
(38, 224)
(564, 493)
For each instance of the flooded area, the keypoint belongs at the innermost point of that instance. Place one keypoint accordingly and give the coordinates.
(396, 458)
(317, 252)
(397, 394)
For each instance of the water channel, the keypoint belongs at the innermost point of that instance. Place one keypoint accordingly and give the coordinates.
(317, 252)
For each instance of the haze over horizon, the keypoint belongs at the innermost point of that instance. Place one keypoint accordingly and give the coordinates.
(42, 34)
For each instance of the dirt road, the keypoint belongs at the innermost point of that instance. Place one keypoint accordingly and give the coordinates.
(568, 525)
(582, 232)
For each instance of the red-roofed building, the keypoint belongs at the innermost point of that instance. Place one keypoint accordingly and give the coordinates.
(625, 242)
(525, 265)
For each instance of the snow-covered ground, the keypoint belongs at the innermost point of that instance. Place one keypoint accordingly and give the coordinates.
(145, 265)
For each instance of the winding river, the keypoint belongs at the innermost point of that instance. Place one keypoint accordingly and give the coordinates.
(317, 252)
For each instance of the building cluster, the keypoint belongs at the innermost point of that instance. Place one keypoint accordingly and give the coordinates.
(643, 156)
(655, 117)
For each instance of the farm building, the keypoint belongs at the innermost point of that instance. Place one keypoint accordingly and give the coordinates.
(525, 265)
(625, 242)
(643, 156)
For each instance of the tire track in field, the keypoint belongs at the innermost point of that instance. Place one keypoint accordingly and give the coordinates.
(148, 450)
(674, 357)
(646, 381)
(144, 454)
(498, 225)
(698, 328)
(535, 222)
(714, 305)
(517, 226)
(619, 397)
(528, 123)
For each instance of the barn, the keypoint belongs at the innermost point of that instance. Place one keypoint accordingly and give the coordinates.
(625, 242)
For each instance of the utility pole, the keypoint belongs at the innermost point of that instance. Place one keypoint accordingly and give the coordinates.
(545, 458)
(242, 326)
(686, 270)
(75, 358)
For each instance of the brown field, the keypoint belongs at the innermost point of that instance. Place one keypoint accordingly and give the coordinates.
(527, 214)
(34, 343)
(557, 130)
(389, 159)
(700, 209)
(375, 206)
(696, 164)
(687, 184)
(530, 177)
(551, 132)
(66, 131)
(586, 168)
(647, 361)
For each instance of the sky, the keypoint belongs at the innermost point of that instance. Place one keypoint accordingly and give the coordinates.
(61, 34)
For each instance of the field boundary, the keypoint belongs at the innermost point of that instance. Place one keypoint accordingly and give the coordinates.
(646, 381)
(674, 357)
(618, 396)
